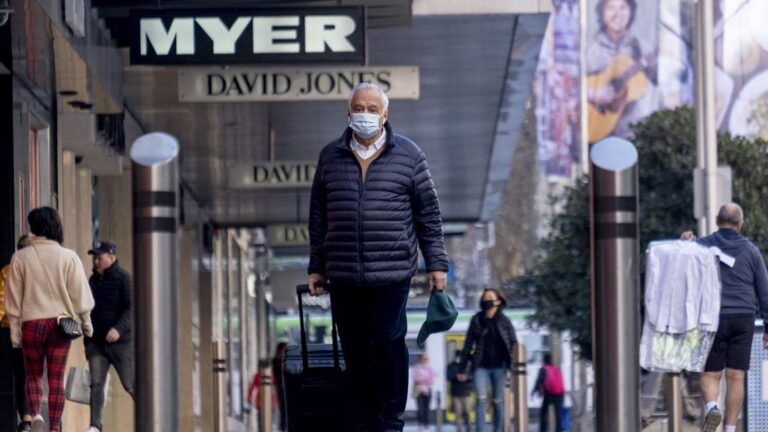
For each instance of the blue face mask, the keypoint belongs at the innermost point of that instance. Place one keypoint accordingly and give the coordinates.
(365, 125)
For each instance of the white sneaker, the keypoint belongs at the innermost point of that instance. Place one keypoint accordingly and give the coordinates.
(38, 423)
(93, 429)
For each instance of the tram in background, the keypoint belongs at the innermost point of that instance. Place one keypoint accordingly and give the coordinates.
(440, 348)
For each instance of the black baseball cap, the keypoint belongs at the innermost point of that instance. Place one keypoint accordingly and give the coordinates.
(102, 248)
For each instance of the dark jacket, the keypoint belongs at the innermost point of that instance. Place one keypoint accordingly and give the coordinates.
(112, 295)
(365, 232)
(745, 283)
(458, 388)
(472, 353)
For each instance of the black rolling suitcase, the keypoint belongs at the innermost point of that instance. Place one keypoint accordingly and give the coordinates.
(314, 380)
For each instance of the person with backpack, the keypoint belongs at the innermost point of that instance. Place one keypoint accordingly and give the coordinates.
(551, 387)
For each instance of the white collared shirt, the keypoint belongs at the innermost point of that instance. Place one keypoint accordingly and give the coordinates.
(366, 152)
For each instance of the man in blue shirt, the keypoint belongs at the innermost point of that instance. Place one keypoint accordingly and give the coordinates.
(744, 284)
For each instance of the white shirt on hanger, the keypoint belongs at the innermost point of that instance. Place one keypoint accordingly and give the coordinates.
(682, 289)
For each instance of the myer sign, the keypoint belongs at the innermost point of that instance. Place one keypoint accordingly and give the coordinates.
(288, 235)
(283, 174)
(249, 84)
(230, 36)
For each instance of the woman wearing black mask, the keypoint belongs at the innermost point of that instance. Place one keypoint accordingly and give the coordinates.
(488, 353)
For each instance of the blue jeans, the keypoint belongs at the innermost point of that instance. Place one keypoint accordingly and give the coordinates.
(483, 379)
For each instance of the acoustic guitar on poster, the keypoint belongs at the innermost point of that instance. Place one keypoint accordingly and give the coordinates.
(629, 83)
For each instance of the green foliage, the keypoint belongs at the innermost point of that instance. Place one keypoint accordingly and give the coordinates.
(558, 283)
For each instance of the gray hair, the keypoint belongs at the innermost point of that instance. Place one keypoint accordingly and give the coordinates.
(369, 86)
(730, 214)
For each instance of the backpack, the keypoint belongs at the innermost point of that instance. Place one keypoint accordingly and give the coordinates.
(553, 381)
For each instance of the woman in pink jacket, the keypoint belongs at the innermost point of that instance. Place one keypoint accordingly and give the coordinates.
(423, 377)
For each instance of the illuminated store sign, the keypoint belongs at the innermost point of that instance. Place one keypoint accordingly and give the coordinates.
(255, 36)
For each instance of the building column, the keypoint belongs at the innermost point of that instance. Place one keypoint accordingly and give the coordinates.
(75, 188)
(115, 197)
(7, 213)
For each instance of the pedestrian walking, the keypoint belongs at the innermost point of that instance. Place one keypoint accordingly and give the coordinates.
(46, 282)
(423, 378)
(744, 281)
(372, 203)
(550, 386)
(16, 354)
(461, 393)
(254, 395)
(488, 352)
(111, 316)
(277, 378)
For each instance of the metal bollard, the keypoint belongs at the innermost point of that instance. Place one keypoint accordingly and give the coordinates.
(155, 221)
(519, 376)
(674, 401)
(615, 284)
(219, 386)
(507, 409)
(265, 411)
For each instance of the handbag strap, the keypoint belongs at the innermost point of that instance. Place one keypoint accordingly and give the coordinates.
(47, 278)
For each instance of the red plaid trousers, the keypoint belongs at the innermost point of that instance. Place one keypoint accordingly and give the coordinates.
(42, 342)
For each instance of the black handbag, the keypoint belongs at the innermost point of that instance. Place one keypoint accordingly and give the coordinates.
(70, 329)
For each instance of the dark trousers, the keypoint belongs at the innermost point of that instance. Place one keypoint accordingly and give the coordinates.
(557, 403)
(13, 357)
(100, 357)
(422, 409)
(281, 405)
(372, 327)
(19, 380)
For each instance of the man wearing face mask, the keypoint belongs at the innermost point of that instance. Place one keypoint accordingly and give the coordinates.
(373, 201)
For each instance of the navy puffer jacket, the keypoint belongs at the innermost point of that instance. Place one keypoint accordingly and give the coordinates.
(365, 233)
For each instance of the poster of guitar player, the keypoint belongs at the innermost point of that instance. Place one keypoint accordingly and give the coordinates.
(621, 65)
(741, 62)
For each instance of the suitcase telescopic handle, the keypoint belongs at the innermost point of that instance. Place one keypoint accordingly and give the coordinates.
(301, 290)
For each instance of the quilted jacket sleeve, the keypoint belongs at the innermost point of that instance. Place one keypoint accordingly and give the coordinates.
(426, 214)
(317, 222)
(123, 325)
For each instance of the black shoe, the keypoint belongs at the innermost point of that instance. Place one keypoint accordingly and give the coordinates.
(712, 420)
(25, 426)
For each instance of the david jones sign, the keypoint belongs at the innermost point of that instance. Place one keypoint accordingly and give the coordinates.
(247, 84)
(210, 36)
(282, 174)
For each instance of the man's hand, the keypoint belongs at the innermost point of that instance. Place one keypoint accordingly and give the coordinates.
(438, 280)
(316, 278)
(461, 377)
(113, 336)
(688, 236)
(765, 340)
